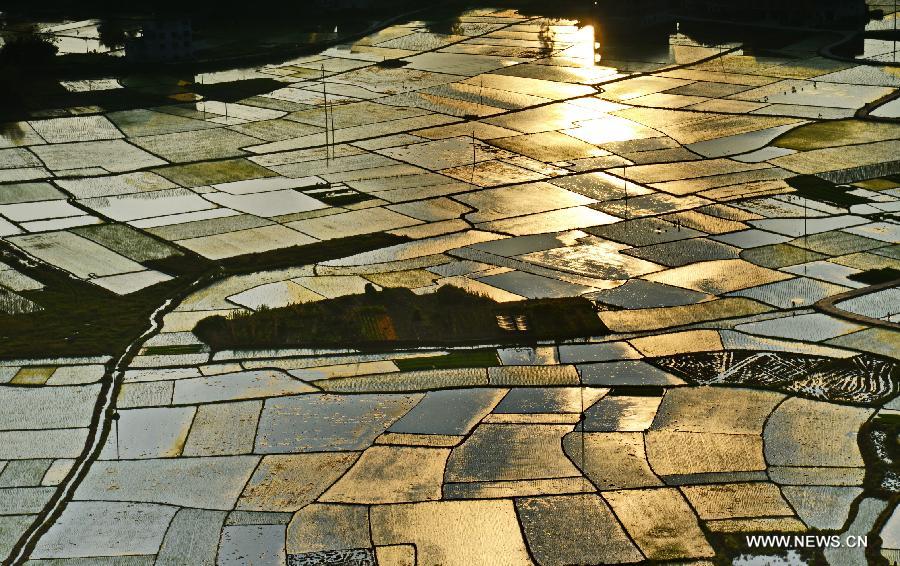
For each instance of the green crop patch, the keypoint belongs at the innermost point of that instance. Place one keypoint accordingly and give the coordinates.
(831, 133)
(454, 360)
(173, 350)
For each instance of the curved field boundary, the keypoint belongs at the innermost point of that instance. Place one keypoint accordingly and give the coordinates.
(828, 305)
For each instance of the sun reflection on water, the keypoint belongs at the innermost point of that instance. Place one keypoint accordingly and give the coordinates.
(585, 46)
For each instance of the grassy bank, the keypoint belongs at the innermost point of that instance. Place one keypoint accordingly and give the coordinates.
(82, 319)
(399, 318)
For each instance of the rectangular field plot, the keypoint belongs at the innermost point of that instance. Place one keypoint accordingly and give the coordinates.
(79, 256)
(146, 205)
(196, 145)
(115, 156)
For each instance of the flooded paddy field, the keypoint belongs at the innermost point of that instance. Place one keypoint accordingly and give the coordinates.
(723, 216)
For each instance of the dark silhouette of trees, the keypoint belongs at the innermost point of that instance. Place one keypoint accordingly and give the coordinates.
(27, 49)
(111, 33)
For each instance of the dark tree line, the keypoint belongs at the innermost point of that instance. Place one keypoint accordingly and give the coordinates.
(207, 9)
